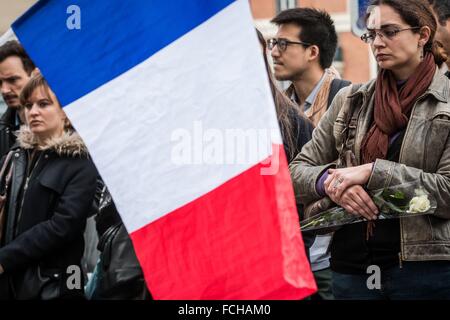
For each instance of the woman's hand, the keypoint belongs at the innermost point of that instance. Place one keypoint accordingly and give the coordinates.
(1, 269)
(340, 179)
(356, 201)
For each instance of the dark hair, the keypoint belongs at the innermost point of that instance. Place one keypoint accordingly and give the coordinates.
(416, 13)
(283, 105)
(13, 48)
(442, 10)
(317, 28)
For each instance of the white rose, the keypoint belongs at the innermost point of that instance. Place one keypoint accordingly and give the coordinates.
(419, 204)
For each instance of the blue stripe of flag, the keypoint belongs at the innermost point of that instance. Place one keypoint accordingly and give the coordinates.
(115, 36)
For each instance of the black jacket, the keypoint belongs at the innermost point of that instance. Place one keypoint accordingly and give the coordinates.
(302, 130)
(46, 217)
(118, 275)
(7, 128)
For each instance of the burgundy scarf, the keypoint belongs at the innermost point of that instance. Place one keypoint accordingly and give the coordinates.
(392, 107)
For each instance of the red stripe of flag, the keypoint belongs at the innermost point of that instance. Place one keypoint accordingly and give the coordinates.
(240, 241)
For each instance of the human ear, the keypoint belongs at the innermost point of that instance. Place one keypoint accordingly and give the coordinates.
(424, 36)
(314, 52)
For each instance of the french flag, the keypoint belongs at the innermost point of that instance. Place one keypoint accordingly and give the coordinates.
(165, 95)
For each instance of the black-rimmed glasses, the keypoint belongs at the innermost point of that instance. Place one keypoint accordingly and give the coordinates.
(283, 43)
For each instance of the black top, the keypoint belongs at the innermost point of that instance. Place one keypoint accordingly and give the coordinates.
(45, 224)
(302, 130)
(351, 253)
(8, 124)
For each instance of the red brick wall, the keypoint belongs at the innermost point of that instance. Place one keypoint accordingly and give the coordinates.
(263, 9)
(332, 6)
(356, 58)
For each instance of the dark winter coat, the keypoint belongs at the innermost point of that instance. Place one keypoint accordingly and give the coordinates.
(7, 128)
(47, 207)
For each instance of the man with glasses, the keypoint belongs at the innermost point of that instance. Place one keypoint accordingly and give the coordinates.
(441, 10)
(302, 52)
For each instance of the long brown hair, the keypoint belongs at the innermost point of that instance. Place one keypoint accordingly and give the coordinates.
(416, 13)
(283, 105)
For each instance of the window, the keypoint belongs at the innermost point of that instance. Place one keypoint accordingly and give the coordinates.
(286, 4)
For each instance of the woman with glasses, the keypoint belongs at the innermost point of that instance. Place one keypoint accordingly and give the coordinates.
(390, 131)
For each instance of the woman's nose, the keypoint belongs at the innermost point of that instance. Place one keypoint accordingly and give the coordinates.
(378, 40)
(34, 109)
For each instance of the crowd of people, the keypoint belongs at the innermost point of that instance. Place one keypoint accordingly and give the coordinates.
(342, 141)
(50, 188)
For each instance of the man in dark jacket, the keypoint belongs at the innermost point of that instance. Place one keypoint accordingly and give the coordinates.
(16, 68)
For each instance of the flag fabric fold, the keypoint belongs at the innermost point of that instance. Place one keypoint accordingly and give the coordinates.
(165, 94)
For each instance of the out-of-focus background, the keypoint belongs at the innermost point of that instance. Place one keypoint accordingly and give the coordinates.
(353, 58)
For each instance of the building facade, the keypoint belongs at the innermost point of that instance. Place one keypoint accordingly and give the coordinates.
(353, 58)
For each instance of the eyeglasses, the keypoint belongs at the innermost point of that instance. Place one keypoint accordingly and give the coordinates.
(283, 43)
(385, 33)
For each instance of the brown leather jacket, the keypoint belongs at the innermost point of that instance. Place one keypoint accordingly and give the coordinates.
(424, 157)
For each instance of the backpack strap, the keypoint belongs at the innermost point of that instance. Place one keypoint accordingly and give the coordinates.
(336, 85)
(5, 163)
(347, 157)
(3, 171)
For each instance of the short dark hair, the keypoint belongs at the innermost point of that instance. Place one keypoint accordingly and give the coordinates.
(442, 10)
(14, 48)
(317, 28)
